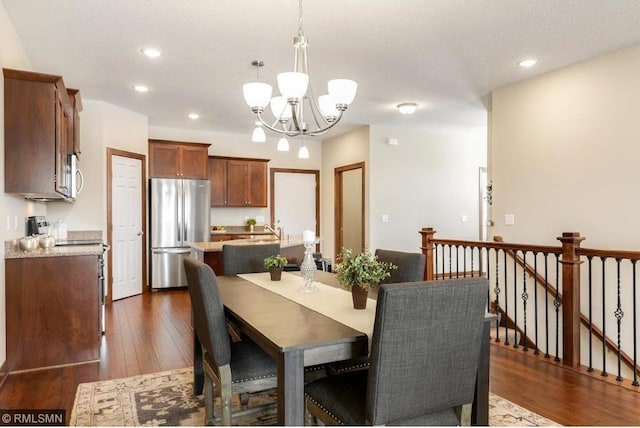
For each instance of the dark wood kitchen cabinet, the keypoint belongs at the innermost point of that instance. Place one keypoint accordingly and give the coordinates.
(238, 182)
(53, 311)
(41, 130)
(172, 159)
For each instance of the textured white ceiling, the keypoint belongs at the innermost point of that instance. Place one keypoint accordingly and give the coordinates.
(446, 55)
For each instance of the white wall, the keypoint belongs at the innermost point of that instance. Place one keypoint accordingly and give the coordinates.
(428, 180)
(241, 146)
(565, 151)
(12, 207)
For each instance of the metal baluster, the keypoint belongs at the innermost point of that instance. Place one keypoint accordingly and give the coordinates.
(604, 322)
(496, 290)
(590, 368)
(435, 262)
(506, 298)
(515, 299)
(442, 276)
(535, 299)
(557, 303)
(450, 265)
(479, 269)
(619, 315)
(457, 257)
(525, 297)
(635, 328)
(546, 305)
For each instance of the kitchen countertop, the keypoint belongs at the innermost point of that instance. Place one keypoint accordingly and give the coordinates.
(70, 250)
(289, 241)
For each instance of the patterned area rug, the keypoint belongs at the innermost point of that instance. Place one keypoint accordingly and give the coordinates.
(166, 399)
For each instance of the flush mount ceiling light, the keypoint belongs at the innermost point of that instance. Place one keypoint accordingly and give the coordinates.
(407, 108)
(151, 52)
(140, 88)
(297, 103)
(529, 62)
(194, 116)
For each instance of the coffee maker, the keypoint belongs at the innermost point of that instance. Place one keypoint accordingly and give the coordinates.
(36, 225)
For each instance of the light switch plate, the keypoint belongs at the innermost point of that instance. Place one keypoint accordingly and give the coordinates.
(509, 219)
(384, 218)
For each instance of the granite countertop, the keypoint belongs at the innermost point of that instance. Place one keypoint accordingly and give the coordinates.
(12, 248)
(71, 250)
(289, 241)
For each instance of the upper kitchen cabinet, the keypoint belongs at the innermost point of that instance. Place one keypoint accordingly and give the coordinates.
(172, 159)
(238, 182)
(40, 132)
(74, 122)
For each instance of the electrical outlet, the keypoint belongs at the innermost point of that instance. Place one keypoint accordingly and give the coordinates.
(463, 218)
(384, 218)
(509, 219)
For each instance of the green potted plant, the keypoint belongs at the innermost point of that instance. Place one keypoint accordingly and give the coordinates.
(275, 264)
(250, 223)
(359, 273)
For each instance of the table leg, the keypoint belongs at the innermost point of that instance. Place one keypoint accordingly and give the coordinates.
(291, 388)
(480, 410)
(198, 371)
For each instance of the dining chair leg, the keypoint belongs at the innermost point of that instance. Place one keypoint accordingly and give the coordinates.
(209, 397)
(465, 414)
(225, 394)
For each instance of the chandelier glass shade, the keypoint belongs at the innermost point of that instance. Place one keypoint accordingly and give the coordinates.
(297, 111)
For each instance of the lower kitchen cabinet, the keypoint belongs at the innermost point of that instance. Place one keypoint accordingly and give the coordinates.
(53, 311)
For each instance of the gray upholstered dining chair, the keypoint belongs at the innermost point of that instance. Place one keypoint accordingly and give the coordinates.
(410, 265)
(424, 358)
(246, 258)
(235, 367)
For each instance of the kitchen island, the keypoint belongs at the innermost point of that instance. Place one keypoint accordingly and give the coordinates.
(211, 252)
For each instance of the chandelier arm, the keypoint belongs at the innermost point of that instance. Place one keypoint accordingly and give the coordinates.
(315, 110)
(294, 117)
(324, 130)
(288, 133)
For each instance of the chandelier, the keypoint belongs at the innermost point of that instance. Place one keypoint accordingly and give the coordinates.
(296, 110)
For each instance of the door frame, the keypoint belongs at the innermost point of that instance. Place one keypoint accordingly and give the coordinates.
(143, 221)
(272, 193)
(338, 209)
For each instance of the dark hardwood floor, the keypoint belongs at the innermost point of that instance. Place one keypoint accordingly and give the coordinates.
(152, 333)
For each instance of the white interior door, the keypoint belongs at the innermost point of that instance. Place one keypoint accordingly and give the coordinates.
(127, 239)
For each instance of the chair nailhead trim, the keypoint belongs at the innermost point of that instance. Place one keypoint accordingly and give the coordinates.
(357, 366)
(335, 418)
(253, 378)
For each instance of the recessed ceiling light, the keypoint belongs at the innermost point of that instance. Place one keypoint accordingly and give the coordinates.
(526, 63)
(140, 88)
(407, 108)
(194, 116)
(151, 52)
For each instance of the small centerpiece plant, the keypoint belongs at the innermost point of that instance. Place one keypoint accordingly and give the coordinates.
(360, 272)
(275, 264)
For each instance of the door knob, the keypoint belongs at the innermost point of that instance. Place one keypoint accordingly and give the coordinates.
(140, 233)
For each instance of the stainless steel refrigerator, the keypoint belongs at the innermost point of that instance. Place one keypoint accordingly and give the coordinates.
(179, 214)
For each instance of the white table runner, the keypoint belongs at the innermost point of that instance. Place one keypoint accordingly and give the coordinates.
(329, 301)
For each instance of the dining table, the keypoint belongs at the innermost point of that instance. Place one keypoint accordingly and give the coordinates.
(301, 330)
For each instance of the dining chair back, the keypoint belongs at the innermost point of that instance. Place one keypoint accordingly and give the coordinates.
(410, 265)
(235, 368)
(247, 258)
(424, 357)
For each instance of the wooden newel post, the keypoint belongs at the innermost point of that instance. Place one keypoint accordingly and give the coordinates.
(427, 249)
(570, 298)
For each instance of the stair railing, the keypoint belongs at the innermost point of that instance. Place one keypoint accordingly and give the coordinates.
(516, 270)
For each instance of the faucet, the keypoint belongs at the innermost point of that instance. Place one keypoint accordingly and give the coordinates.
(276, 232)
